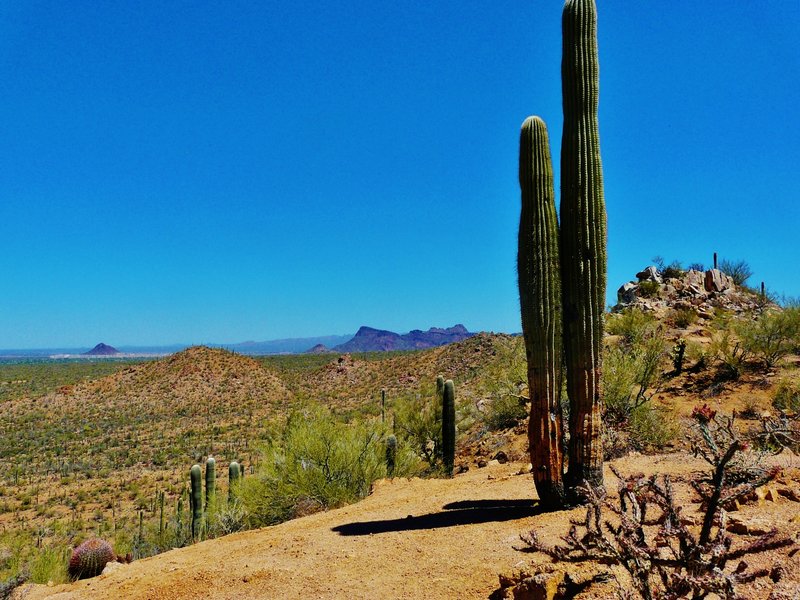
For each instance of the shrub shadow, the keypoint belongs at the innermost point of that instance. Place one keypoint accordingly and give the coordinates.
(465, 512)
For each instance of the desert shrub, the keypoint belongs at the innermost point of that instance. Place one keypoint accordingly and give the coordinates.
(318, 463)
(632, 324)
(673, 271)
(772, 336)
(506, 411)
(787, 395)
(729, 352)
(506, 382)
(648, 289)
(698, 354)
(696, 266)
(737, 270)
(652, 427)
(630, 377)
(645, 533)
(683, 317)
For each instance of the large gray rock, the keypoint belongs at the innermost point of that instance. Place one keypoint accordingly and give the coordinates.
(649, 274)
(717, 281)
(627, 293)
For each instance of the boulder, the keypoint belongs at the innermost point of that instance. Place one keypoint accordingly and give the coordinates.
(627, 293)
(649, 274)
(717, 281)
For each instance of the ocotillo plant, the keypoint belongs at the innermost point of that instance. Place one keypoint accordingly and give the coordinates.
(161, 512)
(179, 521)
(383, 405)
(196, 500)
(448, 427)
(391, 455)
(583, 242)
(234, 473)
(540, 303)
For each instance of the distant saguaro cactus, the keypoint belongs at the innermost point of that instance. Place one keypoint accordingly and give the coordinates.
(196, 500)
(583, 242)
(234, 475)
(211, 483)
(449, 427)
(540, 304)
(391, 455)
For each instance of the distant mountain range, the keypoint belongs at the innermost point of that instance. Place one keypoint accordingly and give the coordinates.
(368, 339)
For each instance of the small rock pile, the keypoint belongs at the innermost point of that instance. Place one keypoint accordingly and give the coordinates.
(699, 291)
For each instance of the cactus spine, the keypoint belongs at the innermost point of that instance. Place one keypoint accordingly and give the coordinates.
(196, 500)
(234, 473)
(583, 242)
(448, 427)
(540, 304)
(391, 455)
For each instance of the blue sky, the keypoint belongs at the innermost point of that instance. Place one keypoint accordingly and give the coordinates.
(216, 172)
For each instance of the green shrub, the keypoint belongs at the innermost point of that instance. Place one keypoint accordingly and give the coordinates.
(318, 463)
(631, 375)
(737, 270)
(652, 427)
(787, 395)
(730, 352)
(505, 411)
(633, 325)
(648, 289)
(673, 271)
(683, 317)
(771, 337)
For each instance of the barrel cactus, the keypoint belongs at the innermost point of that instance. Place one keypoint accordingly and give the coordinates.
(90, 558)
(583, 242)
(448, 427)
(540, 305)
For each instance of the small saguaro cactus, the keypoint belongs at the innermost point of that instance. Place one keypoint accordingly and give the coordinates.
(196, 500)
(540, 304)
(383, 405)
(90, 558)
(583, 243)
(179, 520)
(448, 427)
(234, 474)
(161, 512)
(391, 455)
(211, 483)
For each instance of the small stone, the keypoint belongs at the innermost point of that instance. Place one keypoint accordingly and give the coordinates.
(501, 457)
(482, 463)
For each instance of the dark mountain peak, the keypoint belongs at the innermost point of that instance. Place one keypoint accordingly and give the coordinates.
(102, 350)
(369, 339)
(318, 349)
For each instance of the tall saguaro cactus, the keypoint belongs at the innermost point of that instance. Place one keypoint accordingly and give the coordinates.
(196, 500)
(540, 303)
(448, 426)
(583, 241)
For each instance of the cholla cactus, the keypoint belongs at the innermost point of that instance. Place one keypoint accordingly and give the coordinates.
(90, 558)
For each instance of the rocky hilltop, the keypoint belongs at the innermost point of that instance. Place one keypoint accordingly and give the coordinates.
(369, 339)
(700, 291)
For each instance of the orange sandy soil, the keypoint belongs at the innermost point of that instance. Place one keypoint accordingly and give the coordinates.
(410, 539)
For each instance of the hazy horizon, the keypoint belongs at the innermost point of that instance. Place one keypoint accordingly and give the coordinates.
(271, 170)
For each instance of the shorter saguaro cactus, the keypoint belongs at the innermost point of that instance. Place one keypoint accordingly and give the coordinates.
(391, 455)
(196, 500)
(448, 427)
(90, 558)
(234, 474)
(211, 483)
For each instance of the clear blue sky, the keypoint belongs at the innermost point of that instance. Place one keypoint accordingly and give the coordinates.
(197, 171)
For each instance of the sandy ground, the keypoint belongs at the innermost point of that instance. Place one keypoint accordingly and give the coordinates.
(410, 539)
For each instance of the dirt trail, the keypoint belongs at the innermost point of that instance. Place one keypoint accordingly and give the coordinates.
(410, 539)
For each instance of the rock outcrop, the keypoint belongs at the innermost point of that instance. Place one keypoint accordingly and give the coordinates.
(701, 291)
